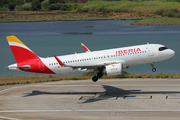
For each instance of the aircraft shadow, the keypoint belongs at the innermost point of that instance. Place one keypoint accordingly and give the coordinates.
(110, 92)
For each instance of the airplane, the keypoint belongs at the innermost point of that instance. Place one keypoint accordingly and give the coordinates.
(110, 61)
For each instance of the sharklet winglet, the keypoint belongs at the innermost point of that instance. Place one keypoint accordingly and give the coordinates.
(85, 48)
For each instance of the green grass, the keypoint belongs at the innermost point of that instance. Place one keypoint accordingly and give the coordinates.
(26, 79)
(145, 7)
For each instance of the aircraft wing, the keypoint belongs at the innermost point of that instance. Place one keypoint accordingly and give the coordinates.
(85, 66)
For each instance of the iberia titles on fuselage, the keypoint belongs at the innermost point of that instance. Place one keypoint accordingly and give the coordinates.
(128, 51)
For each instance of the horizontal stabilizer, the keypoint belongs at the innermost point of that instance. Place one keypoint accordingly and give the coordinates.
(15, 67)
(25, 67)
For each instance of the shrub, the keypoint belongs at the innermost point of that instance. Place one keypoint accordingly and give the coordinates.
(4, 8)
(56, 1)
(45, 4)
(75, 7)
(52, 7)
(36, 5)
(19, 2)
(73, 78)
(84, 9)
(177, 15)
(159, 12)
(18, 8)
(27, 6)
(11, 6)
(64, 7)
(118, 10)
(121, 76)
(59, 6)
(168, 13)
(71, 1)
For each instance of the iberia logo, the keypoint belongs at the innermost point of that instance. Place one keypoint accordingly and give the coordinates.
(128, 51)
(114, 69)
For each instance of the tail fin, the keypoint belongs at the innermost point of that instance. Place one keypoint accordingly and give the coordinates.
(20, 50)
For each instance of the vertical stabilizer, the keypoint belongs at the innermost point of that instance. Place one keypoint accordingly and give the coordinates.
(20, 50)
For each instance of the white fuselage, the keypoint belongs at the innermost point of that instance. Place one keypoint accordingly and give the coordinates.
(133, 55)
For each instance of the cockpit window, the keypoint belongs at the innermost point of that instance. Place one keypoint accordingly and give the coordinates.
(162, 48)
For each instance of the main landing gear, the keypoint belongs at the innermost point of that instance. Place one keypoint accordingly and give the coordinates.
(97, 73)
(153, 69)
(96, 77)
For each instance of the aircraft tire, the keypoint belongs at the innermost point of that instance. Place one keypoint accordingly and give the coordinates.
(95, 78)
(154, 69)
(99, 75)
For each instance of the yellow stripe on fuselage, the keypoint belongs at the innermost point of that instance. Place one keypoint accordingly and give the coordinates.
(14, 39)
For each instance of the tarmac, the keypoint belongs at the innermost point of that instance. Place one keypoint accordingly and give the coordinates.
(106, 99)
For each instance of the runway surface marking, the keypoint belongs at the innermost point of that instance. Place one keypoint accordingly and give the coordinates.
(15, 88)
(5, 110)
(97, 110)
(125, 85)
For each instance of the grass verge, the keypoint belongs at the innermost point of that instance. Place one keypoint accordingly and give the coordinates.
(26, 79)
(141, 19)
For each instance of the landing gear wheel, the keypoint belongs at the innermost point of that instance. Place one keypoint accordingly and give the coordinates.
(95, 78)
(154, 69)
(99, 75)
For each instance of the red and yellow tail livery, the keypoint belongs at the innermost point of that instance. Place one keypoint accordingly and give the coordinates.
(26, 59)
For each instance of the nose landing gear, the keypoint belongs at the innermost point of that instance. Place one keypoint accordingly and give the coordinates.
(153, 69)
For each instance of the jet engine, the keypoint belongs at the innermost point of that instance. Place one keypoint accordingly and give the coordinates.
(114, 69)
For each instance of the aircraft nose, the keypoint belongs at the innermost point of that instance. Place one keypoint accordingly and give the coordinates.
(171, 53)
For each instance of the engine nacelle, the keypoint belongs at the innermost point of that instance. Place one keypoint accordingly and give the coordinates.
(114, 69)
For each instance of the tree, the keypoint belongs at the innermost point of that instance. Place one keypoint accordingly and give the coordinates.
(56, 1)
(19, 2)
(45, 4)
(1, 3)
(36, 5)
(28, 1)
(11, 6)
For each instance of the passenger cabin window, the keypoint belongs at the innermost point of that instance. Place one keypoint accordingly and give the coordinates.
(162, 48)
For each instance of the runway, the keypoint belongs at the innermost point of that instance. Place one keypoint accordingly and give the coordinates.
(107, 99)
